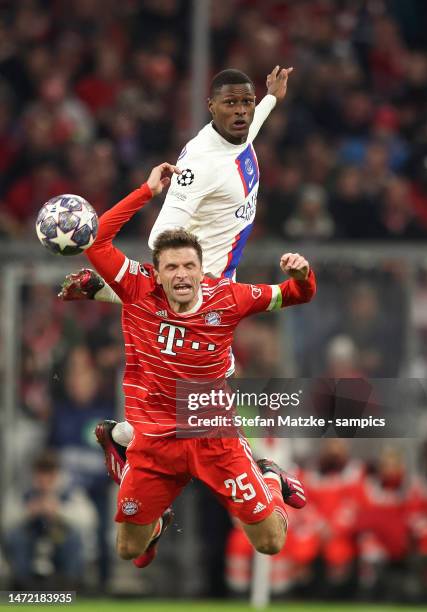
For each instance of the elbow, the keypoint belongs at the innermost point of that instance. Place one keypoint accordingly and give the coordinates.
(152, 238)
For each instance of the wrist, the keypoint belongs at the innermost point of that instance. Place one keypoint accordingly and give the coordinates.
(147, 189)
(271, 97)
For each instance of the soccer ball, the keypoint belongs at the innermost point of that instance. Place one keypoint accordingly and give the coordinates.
(67, 225)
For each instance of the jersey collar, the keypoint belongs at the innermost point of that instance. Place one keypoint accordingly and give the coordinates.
(222, 140)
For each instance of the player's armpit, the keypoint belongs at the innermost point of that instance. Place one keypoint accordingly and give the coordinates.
(172, 216)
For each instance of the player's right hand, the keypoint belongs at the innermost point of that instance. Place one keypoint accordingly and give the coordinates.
(277, 82)
(160, 177)
(295, 265)
(82, 285)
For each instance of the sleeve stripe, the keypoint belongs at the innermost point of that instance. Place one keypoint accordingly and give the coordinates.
(122, 271)
(276, 298)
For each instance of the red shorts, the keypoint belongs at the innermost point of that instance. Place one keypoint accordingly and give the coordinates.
(157, 469)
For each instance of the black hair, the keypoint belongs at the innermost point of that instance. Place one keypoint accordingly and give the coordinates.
(229, 77)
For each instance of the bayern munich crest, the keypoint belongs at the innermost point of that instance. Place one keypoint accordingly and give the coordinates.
(130, 506)
(212, 318)
(185, 178)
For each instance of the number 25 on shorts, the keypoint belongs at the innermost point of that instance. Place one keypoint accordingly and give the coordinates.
(246, 488)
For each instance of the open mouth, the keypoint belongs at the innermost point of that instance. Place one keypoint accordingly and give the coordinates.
(239, 124)
(182, 288)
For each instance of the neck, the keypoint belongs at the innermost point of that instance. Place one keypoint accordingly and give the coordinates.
(181, 308)
(228, 138)
(178, 307)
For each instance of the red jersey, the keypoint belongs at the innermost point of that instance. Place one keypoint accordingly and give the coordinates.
(163, 346)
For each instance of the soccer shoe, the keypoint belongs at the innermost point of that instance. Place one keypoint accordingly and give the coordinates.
(147, 557)
(115, 454)
(83, 285)
(292, 489)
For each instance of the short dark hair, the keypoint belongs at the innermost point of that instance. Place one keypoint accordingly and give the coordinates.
(231, 76)
(46, 462)
(175, 239)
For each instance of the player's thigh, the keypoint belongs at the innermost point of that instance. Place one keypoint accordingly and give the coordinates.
(133, 539)
(144, 494)
(226, 465)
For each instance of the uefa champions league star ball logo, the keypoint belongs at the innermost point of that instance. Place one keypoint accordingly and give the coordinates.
(185, 178)
(212, 318)
(130, 506)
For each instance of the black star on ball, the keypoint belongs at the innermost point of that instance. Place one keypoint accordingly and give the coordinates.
(185, 178)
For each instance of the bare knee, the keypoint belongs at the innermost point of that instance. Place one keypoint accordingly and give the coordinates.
(133, 539)
(270, 544)
(267, 537)
(128, 550)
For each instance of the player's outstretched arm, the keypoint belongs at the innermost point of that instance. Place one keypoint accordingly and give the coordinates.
(87, 284)
(298, 289)
(277, 84)
(106, 258)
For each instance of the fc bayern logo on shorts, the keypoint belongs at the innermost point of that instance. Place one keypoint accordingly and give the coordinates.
(212, 318)
(130, 506)
(185, 178)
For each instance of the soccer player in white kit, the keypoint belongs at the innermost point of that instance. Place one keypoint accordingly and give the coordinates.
(214, 197)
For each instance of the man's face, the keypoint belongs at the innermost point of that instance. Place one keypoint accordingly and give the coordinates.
(180, 274)
(232, 109)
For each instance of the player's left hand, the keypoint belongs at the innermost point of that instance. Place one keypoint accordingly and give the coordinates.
(83, 285)
(160, 177)
(277, 82)
(295, 265)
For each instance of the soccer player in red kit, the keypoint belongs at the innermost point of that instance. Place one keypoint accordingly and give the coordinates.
(178, 325)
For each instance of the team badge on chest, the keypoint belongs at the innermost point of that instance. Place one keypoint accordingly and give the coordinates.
(212, 318)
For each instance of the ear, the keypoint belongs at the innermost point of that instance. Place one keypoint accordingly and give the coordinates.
(157, 277)
(211, 106)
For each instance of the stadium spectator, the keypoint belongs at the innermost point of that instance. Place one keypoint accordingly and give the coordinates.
(77, 410)
(383, 529)
(48, 530)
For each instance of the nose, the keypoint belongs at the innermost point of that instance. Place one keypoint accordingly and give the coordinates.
(181, 273)
(240, 110)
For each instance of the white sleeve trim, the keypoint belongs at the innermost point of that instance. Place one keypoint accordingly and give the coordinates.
(275, 291)
(122, 271)
(262, 110)
(106, 294)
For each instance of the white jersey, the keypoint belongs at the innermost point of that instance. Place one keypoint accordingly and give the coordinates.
(215, 196)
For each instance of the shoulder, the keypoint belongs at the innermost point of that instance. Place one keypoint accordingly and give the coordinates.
(216, 286)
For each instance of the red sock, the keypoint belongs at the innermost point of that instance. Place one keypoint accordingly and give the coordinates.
(274, 485)
(146, 557)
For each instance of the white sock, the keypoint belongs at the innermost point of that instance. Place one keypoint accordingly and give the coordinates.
(122, 433)
(271, 475)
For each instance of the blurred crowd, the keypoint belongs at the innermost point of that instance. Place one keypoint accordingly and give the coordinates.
(92, 92)
(363, 534)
